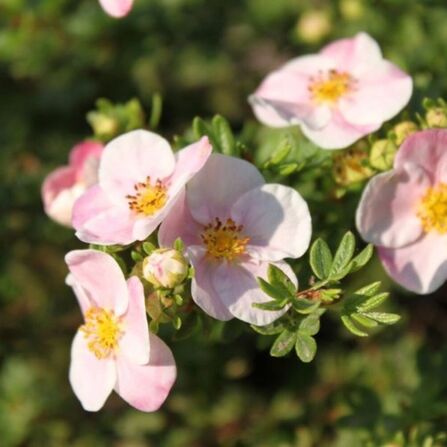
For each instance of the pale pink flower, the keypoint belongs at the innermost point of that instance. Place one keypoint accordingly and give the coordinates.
(117, 8)
(337, 96)
(233, 226)
(64, 185)
(140, 180)
(113, 349)
(404, 213)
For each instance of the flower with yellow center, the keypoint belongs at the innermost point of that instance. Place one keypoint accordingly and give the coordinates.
(329, 87)
(102, 329)
(224, 241)
(432, 209)
(148, 198)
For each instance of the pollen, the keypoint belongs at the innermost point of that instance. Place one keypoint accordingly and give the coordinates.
(102, 329)
(148, 197)
(432, 209)
(224, 241)
(329, 87)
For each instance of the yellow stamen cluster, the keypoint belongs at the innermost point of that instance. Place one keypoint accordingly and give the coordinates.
(432, 209)
(224, 241)
(102, 329)
(148, 198)
(329, 87)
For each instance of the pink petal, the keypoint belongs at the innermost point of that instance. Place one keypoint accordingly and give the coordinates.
(277, 221)
(99, 221)
(238, 289)
(427, 149)
(202, 289)
(189, 161)
(116, 8)
(130, 159)
(101, 277)
(81, 154)
(355, 55)
(379, 95)
(420, 267)
(92, 379)
(223, 179)
(58, 194)
(386, 214)
(84, 300)
(134, 344)
(179, 224)
(338, 134)
(146, 387)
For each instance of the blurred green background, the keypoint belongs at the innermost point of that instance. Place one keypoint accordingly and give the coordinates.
(204, 57)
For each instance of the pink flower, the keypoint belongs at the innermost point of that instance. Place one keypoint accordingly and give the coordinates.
(404, 213)
(233, 226)
(116, 8)
(140, 180)
(113, 349)
(63, 186)
(337, 96)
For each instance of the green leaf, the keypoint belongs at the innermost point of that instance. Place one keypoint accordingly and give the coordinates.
(362, 258)
(177, 322)
(200, 128)
(179, 245)
(303, 306)
(272, 291)
(310, 325)
(343, 255)
(382, 317)
(269, 329)
(270, 305)
(341, 274)
(373, 302)
(283, 343)
(368, 290)
(287, 169)
(305, 347)
(281, 153)
(346, 320)
(156, 110)
(137, 257)
(280, 280)
(364, 321)
(320, 259)
(225, 135)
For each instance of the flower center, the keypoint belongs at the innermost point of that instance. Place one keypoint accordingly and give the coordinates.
(224, 241)
(103, 330)
(148, 198)
(432, 209)
(330, 86)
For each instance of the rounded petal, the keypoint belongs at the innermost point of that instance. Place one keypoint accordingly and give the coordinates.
(189, 161)
(202, 289)
(134, 344)
(338, 134)
(420, 267)
(355, 55)
(59, 193)
(277, 221)
(117, 8)
(379, 95)
(427, 149)
(386, 214)
(101, 277)
(82, 152)
(99, 221)
(130, 159)
(146, 387)
(238, 289)
(179, 224)
(92, 379)
(218, 185)
(85, 303)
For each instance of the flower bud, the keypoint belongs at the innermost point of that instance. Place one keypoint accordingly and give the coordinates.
(382, 155)
(436, 117)
(351, 166)
(165, 267)
(403, 130)
(313, 26)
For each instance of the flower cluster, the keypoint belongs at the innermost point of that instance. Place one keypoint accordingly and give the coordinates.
(205, 230)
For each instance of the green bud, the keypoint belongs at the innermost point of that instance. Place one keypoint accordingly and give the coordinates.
(403, 130)
(351, 166)
(436, 117)
(382, 155)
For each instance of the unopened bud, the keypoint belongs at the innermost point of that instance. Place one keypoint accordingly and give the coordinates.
(403, 130)
(165, 267)
(351, 166)
(103, 126)
(313, 26)
(382, 155)
(436, 117)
